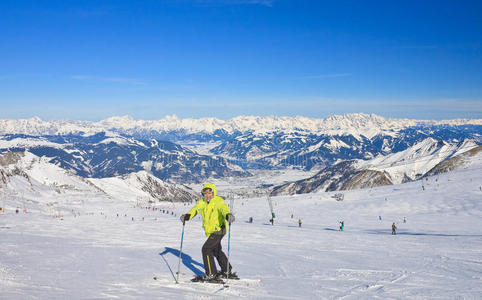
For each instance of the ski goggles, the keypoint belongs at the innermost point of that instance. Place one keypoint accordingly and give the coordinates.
(207, 191)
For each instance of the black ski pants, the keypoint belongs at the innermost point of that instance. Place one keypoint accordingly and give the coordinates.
(211, 249)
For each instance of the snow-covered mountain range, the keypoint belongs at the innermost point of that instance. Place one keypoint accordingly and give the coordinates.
(367, 125)
(195, 150)
(103, 155)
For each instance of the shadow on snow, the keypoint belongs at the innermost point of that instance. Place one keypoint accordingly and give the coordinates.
(186, 260)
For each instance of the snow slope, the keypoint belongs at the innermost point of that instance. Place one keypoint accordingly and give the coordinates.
(95, 254)
(25, 175)
(417, 160)
(142, 185)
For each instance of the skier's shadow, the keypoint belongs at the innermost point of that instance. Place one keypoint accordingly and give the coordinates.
(186, 260)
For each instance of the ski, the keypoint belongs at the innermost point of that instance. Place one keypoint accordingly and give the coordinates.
(202, 279)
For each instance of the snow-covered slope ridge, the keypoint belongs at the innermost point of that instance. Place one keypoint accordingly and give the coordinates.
(24, 172)
(39, 170)
(422, 159)
(417, 160)
(144, 185)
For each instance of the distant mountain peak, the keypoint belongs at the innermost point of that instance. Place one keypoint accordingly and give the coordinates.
(357, 124)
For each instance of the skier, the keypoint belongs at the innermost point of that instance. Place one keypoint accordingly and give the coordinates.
(394, 228)
(404, 220)
(342, 225)
(299, 222)
(215, 213)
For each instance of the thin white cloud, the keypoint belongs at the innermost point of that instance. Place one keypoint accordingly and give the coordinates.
(321, 76)
(268, 3)
(417, 47)
(124, 80)
(258, 2)
(80, 77)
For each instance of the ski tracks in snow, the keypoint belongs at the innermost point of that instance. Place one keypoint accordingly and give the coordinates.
(243, 288)
(375, 282)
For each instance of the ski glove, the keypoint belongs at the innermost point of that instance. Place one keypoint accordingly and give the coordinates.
(230, 218)
(185, 217)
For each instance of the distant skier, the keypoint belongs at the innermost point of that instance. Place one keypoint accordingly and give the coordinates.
(404, 220)
(215, 213)
(380, 218)
(394, 229)
(271, 221)
(342, 225)
(299, 222)
(250, 219)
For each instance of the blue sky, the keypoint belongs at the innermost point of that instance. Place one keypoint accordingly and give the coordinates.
(90, 60)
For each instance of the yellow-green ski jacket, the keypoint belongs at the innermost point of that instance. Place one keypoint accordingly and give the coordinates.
(213, 213)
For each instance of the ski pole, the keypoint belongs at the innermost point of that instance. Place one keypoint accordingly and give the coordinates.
(229, 250)
(180, 253)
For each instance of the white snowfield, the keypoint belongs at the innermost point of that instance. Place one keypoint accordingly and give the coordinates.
(91, 253)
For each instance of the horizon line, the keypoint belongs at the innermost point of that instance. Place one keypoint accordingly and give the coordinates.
(167, 116)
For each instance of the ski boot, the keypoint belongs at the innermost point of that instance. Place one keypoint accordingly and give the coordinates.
(224, 275)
